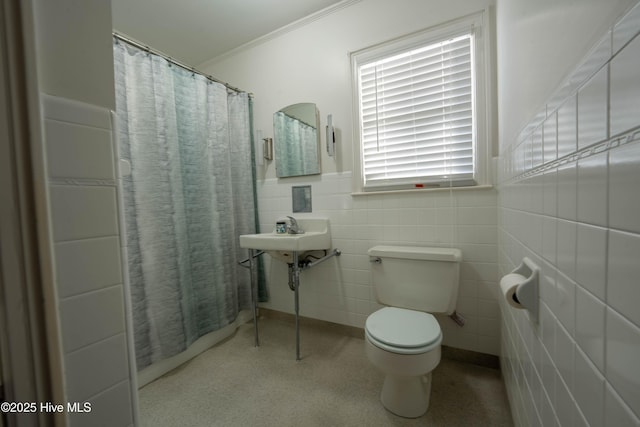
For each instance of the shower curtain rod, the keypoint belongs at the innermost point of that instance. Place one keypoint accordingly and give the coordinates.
(175, 62)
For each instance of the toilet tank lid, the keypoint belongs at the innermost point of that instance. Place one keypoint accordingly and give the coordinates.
(417, 252)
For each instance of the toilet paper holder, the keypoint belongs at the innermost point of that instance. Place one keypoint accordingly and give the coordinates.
(527, 291)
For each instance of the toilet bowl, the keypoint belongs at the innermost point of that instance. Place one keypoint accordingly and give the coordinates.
(405, 346)
(403, 339)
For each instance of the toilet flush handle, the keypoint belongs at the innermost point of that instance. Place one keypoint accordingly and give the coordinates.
(375, 260)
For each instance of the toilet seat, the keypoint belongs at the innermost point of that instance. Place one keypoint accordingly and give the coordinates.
(403, 331)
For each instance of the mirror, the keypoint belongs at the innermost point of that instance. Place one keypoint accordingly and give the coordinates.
(297, 140)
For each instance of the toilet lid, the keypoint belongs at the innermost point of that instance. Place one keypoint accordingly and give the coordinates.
(399, 327)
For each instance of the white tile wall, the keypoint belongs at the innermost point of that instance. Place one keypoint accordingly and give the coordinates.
(592, 110)
(622, 354)
(79, 151)
(340, 290)
(83, 211)
(625, 95)
(82, 190)
(100, 258)
(578, 365)
(590, 326)
(623, 270)
(550, 138)
(567, 127)
(592, 190)
(624, 176)
(84, 379)
(102, 314)
(102, 404)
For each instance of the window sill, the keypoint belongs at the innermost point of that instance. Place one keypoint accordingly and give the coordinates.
(423, 190)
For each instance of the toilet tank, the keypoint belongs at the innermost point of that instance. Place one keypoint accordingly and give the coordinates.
(417, 278)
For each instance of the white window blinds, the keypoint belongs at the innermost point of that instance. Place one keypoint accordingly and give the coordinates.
(416, 115)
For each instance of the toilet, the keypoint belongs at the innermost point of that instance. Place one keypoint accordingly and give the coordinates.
(403, 338)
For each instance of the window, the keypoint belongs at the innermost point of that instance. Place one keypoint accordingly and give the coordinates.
(420, 103)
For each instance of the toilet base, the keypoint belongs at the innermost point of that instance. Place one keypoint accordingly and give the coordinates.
(406, 396)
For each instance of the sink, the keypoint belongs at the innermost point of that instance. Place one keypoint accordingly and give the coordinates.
(317, 236)
(286, 247)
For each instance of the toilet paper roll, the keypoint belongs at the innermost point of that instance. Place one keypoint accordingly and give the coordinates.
(508, 286)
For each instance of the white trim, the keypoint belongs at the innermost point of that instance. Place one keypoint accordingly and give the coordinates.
(32, 362)
(419, 38)
(479, 21)
(422, 190)
(126, 284)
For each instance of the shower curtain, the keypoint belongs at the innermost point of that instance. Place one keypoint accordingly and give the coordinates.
(189, 196)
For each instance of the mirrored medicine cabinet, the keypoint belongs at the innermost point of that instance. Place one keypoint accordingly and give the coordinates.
(297, 140)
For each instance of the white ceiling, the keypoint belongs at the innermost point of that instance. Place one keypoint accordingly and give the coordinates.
(195, 31)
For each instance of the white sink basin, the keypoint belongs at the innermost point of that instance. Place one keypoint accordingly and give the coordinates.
(317, 236)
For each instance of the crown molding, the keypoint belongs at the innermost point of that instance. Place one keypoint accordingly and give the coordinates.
(281, 31)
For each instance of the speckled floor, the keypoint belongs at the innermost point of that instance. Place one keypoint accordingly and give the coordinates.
(236, 384)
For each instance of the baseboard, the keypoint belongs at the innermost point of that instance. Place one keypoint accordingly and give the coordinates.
(458, 354)
(472, 357)
(350, 331)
